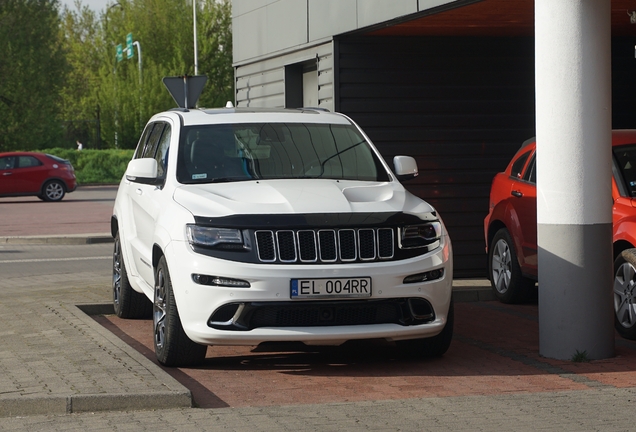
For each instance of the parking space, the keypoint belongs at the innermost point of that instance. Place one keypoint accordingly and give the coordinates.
(494, 352)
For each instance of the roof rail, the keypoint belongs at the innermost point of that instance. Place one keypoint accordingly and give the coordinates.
(315, 109)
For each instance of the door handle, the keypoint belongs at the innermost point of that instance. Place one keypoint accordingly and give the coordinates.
(516, 194)
(139, 191)
(7, 173)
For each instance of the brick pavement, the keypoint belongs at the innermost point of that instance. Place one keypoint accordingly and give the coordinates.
(494, 351)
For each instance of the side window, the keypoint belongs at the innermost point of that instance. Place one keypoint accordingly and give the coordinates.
(531, 172)
(625, 159)
(162, 151)
(143, 142)
(28, 161)
(7, 162)
(517, 166)
(153, 141)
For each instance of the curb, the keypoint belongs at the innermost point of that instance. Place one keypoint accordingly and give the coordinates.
(59, 405)
(68, 239)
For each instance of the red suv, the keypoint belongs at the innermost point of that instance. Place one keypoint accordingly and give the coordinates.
(511, 229)
(26, 173)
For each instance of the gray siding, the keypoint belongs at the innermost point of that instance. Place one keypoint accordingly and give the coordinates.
(262, 84)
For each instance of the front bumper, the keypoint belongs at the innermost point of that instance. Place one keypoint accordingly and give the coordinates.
(200, 306)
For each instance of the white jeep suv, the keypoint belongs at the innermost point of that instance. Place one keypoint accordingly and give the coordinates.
(243, 226)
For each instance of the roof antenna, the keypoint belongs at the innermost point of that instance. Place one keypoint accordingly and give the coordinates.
(185, 90)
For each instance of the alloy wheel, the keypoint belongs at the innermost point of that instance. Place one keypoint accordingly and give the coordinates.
(54, 191)
(159, 310)
(624, 292)
(117, 272)
(501, 266)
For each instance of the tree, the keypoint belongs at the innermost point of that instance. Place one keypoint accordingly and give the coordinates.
(59, 74)
(33, 68)
(127, 96)
(80, 94)
(215, 42)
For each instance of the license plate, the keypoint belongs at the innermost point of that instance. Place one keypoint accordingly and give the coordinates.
(328, 287)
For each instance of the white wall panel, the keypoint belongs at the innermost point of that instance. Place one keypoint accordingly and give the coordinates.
(331, 17)
(375, 11)
(277, 26)
(427, 4)
(240, 7)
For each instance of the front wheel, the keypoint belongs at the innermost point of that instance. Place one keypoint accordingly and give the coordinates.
(508, 284)
(53, 190)
(625, 294)
(172, 346)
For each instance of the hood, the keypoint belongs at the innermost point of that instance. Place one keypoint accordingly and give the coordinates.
(296, 196)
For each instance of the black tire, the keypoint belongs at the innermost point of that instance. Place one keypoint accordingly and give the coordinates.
(172, 346)
(435, 346)
(53, 190)
(127, 302)
(625, 294)
(504, 272)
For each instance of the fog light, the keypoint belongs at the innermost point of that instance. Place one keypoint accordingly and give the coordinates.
(219, 281)
(424, 277)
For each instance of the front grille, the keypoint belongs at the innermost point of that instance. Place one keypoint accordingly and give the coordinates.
(248, 316)
(309, 315)
(326, 245)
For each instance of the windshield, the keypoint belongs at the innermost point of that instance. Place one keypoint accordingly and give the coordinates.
(235, 152)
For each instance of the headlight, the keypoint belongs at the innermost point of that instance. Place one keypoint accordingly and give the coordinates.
(414, 236)
(226, 238)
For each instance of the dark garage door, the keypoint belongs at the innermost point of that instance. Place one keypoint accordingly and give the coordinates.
(461, 106)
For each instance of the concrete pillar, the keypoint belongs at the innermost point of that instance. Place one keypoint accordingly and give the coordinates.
(574, 201)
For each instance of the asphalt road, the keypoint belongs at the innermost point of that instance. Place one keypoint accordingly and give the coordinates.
(33, 268)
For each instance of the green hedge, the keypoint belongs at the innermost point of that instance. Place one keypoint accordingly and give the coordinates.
(95, 166)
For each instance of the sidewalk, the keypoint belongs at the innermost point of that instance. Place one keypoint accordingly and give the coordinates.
(54, 358)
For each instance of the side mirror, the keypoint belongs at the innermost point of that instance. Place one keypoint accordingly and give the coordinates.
(142, 170)
(405, 167)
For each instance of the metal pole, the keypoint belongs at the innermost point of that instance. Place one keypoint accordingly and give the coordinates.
(139, 64)
(196, 55)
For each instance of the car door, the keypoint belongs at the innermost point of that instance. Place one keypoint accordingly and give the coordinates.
(145, 199)
(623, 193)
(521, 210)
(29, 175)
(527, 208)
(7, 165)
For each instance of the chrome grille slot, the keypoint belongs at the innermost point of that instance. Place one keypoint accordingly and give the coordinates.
(347, 244)
(307, 246)
(366, 242)
(326, 245)
(265, 246)
(385, 243)
(286, 246)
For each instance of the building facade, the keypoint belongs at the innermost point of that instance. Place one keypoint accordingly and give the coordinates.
(450, 82)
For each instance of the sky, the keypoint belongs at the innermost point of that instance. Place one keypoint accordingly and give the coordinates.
(96, 5)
